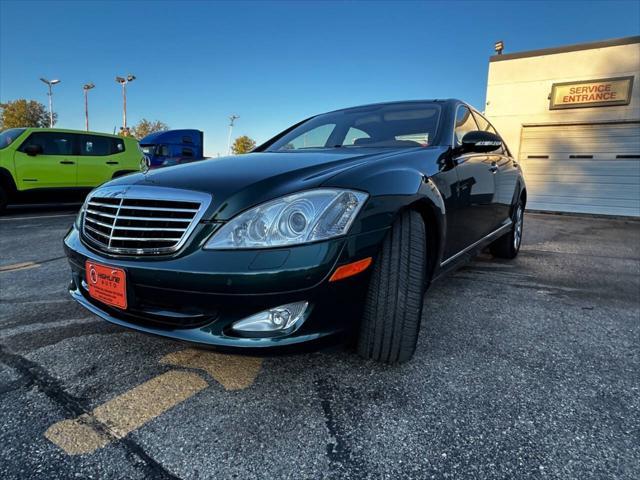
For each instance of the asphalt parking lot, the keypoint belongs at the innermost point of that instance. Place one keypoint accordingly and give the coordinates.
(524, 369)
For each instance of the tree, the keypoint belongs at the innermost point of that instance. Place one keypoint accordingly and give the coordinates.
(24, 113)
(144, 127)
(242, 145)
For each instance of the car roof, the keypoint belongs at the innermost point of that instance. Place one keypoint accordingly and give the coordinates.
(67, 130)
(171, 135)
(400, 102)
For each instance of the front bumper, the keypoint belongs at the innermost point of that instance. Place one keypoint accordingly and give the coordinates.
(196, 296)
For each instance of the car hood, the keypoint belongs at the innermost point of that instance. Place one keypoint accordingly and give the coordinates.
(239, 182)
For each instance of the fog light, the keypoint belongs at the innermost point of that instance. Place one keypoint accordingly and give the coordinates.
(273, 320)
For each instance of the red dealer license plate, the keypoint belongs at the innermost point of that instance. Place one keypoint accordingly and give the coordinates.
(107, 284)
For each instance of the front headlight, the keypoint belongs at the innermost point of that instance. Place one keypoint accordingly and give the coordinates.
(299, 218)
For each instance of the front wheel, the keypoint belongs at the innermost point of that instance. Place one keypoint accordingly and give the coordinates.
(508, 245)
(393, 309)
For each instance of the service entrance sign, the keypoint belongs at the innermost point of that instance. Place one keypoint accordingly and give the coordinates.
(591, 93)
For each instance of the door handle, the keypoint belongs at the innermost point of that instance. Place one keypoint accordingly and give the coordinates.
(67, 162)
(112, 163)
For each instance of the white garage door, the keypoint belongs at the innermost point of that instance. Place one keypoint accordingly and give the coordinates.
(592, 168)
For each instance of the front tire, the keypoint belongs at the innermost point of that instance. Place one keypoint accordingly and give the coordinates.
(393, 309)
(508, 245)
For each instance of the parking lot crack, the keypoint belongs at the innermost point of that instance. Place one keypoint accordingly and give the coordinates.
(338, 451)
(37, 376)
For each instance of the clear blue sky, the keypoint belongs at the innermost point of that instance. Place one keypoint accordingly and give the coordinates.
(273, 63)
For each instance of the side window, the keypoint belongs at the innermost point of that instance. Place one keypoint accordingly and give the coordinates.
(117, 145)
(52, 143)
(163, 151)
(187, 152)
(96, 145)
(314, 138)
(483, 124)
(355, 136)
(464, 123)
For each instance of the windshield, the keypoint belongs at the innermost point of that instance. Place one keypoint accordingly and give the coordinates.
(398, 125)
(8, 136)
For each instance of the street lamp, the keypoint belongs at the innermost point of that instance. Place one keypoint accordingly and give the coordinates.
(232, 119)
(86, 87)
(499, 47)
(123, 81)
(50, 83)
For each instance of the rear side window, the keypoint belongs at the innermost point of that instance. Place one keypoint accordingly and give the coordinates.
(99, 146)
(187, 152)
(52, 143)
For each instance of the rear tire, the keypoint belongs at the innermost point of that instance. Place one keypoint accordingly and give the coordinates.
(508, 245)
(393, 308)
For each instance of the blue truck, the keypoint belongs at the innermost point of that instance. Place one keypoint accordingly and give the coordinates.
(173, 147)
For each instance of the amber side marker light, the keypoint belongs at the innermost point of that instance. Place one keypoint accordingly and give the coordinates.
(351, 269)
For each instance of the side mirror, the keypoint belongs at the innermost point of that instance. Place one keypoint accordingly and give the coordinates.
(33, 150)
(481, 142)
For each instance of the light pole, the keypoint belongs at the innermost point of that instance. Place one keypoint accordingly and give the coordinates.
(50, 83)
(86, 87)
(232, 119)
(123, 81)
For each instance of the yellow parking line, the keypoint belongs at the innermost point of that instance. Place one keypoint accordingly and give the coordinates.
(234, 372)
(125, 413)
(18, 266)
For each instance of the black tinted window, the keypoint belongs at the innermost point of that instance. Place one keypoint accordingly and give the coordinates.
(52, 143)
(98, 145)
(187, 152)
(397, 125)
(95, 146)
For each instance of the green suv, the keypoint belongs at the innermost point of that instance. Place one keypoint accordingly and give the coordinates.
(35, 162)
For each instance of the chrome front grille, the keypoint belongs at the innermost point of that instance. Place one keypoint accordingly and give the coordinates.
(141, 220)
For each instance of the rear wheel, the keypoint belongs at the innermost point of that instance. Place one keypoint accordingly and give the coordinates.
(508, 245)
(393, 309)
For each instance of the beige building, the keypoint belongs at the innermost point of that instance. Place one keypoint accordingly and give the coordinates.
(571, 116)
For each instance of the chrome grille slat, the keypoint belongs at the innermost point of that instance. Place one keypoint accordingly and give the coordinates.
(108, 225)
(149, 229)
(93, 230)
(98, 204)
(186, 210)
(141, 220)
(142, 239)
(128, 217)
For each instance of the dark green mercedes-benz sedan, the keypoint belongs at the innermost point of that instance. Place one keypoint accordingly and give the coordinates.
(332, 229)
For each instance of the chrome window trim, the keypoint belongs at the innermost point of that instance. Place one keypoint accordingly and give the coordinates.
(147, 192)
